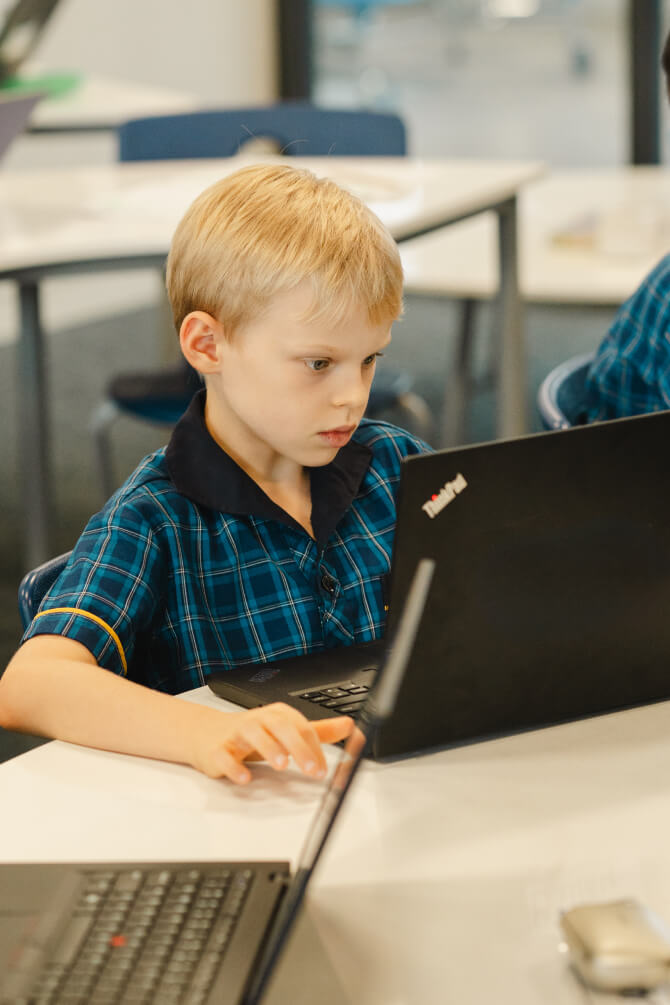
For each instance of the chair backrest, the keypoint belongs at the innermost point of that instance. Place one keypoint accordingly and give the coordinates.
(35, 584)
(299, 129)
(561, 398)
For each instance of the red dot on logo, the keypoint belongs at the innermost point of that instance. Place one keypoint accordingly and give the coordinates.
(433, 497)
(117, 941)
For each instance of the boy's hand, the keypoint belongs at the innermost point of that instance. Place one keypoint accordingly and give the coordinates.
(273, 733)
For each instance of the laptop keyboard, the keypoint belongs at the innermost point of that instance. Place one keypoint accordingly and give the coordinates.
(144, 936)
(346, 698)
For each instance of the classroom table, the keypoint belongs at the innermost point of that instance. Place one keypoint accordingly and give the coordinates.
(586, 237)
(123, 216)
(446, 872)
(76, 103)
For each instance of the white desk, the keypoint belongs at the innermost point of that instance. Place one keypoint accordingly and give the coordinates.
(122, 215)
(446, 872)
(626, 212)
(96, 103)
(631, 210)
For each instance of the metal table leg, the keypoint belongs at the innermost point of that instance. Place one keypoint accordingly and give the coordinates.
(509, 345)
(453, 429)
(512, 417)
(33, 433)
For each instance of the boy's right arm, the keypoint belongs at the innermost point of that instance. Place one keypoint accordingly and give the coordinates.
(53, 687)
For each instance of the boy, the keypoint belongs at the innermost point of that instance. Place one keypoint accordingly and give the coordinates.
(265, 527)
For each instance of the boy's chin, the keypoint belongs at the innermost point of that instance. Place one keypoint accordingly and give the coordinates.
(318, 454)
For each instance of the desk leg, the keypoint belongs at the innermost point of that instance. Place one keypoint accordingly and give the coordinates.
(33, 448)
(454, 421)
(512, 418)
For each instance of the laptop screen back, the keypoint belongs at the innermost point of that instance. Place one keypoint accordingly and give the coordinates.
(14, 115)
(553, 585)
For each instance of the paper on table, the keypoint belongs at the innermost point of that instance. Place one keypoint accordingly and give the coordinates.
(632, 229)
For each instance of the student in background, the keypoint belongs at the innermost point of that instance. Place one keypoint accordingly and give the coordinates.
(631, 371)
(265, 528)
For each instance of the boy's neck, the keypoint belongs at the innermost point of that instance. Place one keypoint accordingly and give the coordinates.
(287, 483)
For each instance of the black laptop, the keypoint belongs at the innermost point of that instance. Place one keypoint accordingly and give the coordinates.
(15, 110)
(551, 598)
(189, 933)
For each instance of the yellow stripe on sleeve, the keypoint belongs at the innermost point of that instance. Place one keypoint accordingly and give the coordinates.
(91, 617)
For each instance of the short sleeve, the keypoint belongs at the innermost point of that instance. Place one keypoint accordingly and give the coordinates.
(630, 374)
(109, 590)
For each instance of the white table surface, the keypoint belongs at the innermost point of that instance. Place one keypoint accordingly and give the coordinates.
(446, 872)
(629, 208)
(115, 211)
(97, 102)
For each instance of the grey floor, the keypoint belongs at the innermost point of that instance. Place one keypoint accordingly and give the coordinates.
(468, 83)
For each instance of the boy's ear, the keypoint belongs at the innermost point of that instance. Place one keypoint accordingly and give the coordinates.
(200, 337)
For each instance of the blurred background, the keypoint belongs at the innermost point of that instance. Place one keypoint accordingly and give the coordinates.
(548, 80)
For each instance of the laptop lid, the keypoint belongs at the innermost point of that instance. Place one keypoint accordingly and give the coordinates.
(377, 710)
(14, 115)
(21, 24)
(553, 585)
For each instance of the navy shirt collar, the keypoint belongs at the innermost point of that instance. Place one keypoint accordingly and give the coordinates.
(208, 476)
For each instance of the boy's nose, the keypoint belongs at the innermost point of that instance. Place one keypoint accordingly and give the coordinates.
(353, 391)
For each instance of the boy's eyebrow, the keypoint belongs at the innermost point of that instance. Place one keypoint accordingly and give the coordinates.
(330, 350)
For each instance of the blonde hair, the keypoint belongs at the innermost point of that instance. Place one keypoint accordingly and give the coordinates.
(266, 228)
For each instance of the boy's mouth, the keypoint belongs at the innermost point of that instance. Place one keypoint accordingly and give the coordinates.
(337, 437)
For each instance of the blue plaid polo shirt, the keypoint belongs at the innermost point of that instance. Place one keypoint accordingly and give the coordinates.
(631, 371)
(191, 568)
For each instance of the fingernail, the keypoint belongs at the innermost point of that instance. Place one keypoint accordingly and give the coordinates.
(310, 766)
(280, 761)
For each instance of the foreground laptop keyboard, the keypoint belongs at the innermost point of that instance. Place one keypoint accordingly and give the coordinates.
(141, 936)
(345, 698)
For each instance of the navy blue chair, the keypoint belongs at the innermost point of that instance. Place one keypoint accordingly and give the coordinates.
(561, 398)
(298, 129)
(35, 585)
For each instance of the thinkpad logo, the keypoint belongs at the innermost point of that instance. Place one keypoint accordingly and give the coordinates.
(261, 676)
(447, 494)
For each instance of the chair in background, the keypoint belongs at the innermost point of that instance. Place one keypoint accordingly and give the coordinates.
(298, 129)
(561, 398)
(35, 585)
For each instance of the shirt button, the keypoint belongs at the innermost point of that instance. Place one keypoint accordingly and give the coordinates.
(328, 583)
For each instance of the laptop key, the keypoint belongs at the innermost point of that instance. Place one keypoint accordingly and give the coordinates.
(353, 706)
(341, 703)
(72, 939)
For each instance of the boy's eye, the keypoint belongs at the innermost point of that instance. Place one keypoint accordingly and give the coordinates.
(317, 364)
(369, 360)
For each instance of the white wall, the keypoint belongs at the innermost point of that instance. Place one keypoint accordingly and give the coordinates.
(221, 50)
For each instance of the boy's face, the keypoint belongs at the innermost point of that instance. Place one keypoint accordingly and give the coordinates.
(291, 392)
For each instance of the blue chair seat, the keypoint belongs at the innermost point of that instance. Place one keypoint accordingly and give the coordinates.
(561, 396)
(35, 585)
